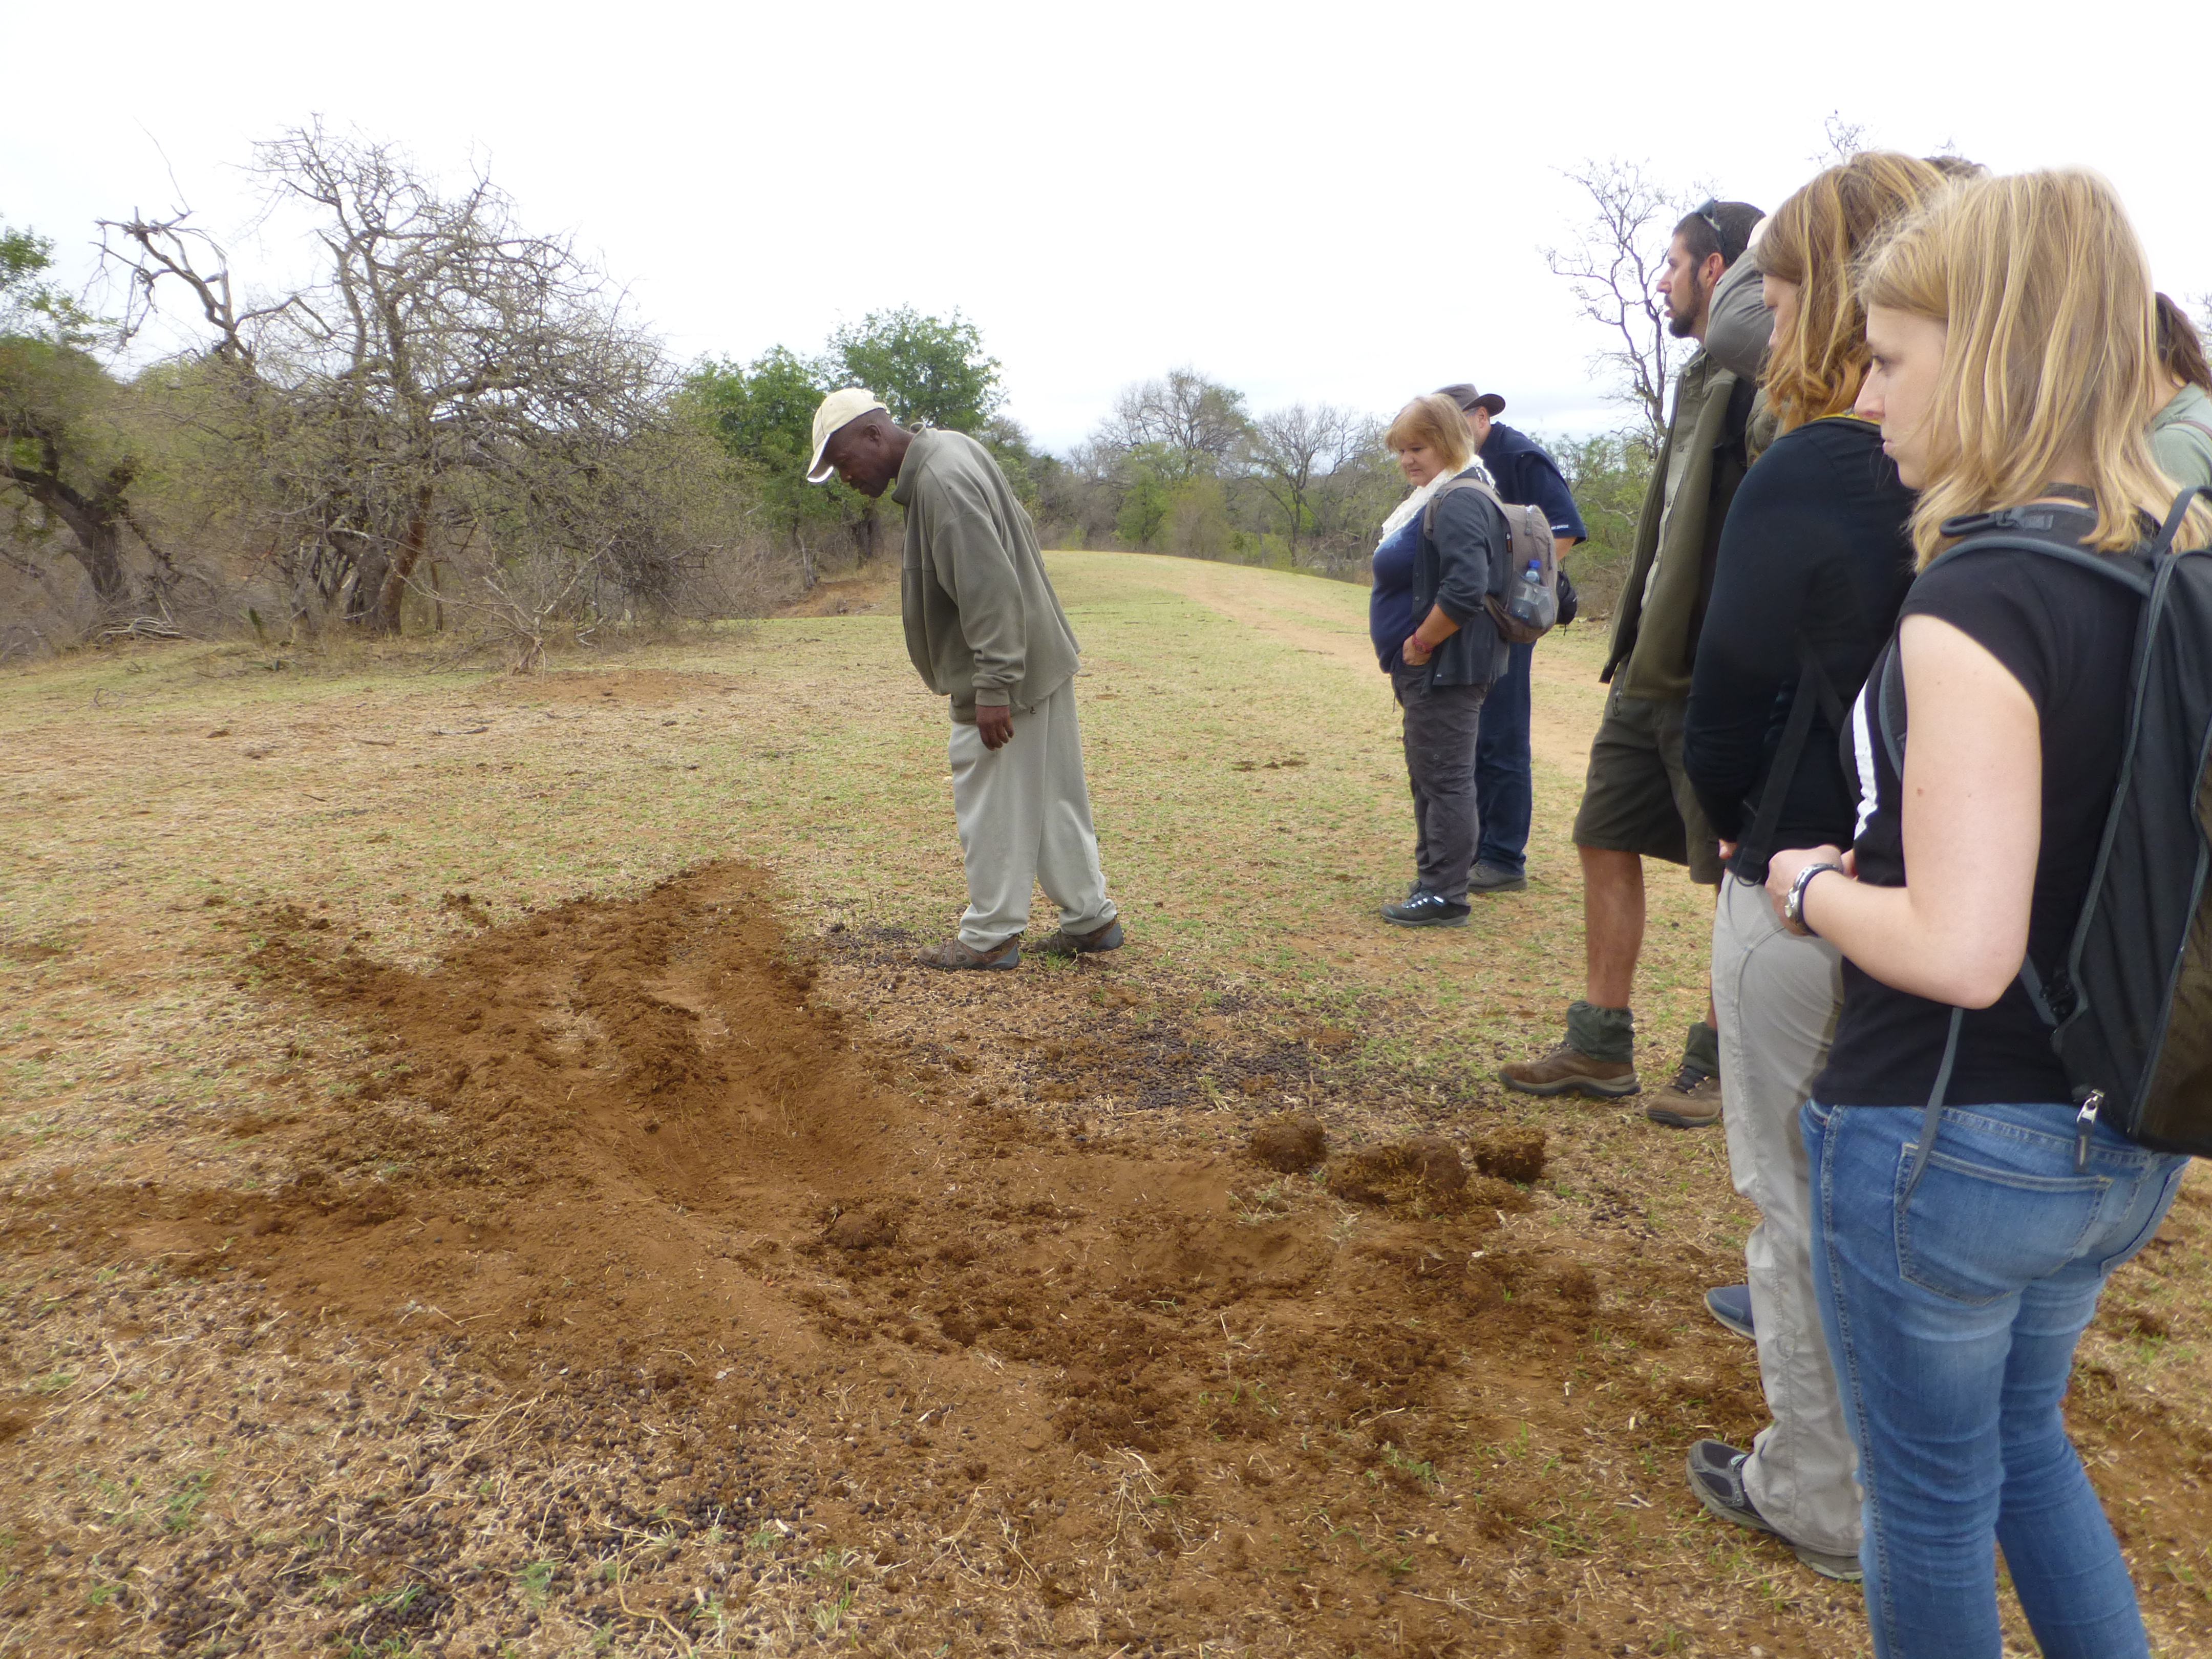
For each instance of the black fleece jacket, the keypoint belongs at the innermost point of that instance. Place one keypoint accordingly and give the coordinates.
(1815, 555)
(1466, 554)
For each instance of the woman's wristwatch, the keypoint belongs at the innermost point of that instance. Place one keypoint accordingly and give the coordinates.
(1793, 907)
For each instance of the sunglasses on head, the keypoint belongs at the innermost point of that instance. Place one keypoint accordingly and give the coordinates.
(1705, 211)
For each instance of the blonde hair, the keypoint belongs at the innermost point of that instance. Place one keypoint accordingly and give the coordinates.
(2050, 361)
(1820, 353)
(1436, 421)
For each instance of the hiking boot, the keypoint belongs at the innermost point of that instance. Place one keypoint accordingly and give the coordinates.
(1692, 1101)
(1598, 1059)
(1730, 1304)
(1065, 944)
(1568, 1070)
(1717, 1477)
(953, 954)
(1495, 878)
(1420, 909)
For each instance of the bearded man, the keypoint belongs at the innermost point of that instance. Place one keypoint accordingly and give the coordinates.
(1636, 802)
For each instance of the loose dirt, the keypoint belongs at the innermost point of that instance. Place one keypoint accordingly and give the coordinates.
(650, 1279)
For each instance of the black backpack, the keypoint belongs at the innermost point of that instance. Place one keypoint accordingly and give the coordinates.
(2129, 1008)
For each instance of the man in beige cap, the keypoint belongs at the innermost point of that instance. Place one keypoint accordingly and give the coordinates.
(985, 628)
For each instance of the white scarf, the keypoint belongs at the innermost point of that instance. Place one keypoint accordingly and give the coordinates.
(1414, 503)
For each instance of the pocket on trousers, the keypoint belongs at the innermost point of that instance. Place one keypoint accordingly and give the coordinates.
(1975, 1231)
(2143, 1234)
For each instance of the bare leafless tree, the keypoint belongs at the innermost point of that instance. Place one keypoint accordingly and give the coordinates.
(1840, 140)
(1614, 267)
(1189, 423)
(446, 371)
(1292, 448)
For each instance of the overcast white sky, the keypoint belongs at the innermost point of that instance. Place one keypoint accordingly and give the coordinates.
(1305, 201)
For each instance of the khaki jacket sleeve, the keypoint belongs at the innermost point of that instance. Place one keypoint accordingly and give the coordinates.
(973, 564)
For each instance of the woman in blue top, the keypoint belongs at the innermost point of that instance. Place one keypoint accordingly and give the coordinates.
(1434, 637)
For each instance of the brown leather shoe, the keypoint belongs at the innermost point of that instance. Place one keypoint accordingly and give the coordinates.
(1568, 1070)
(1065, 944)
(953, 954)
(1692, 1101)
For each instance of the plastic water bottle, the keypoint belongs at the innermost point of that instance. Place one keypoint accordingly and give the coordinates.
(1527, 604)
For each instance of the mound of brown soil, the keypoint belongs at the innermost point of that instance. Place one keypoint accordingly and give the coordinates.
(1023, 1383)
(1425, 1172)
(1516, 1154)
(1293, 1143)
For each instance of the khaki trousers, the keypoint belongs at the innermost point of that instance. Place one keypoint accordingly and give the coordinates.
(1024, 817)
(1777, 997)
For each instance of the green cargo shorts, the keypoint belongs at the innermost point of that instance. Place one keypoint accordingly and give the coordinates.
(1636, 798)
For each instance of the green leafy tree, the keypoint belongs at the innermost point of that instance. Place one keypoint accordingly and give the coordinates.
(924, 369)
(1028, 471)
(762, 415)
(1151, 476)
(1606, 474)
(64, 458)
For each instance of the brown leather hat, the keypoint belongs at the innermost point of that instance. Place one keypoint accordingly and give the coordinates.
(1469, 399)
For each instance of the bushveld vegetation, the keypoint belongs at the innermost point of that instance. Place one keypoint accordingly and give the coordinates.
(445, 422)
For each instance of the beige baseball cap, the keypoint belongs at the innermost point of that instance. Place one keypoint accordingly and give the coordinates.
(840, 408)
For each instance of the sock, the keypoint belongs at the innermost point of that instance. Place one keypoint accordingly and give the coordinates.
(1703, 1049)
(1601, 1033)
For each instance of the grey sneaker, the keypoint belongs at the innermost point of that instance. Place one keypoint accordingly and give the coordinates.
(1495, 878)
(1717, 1477)
(1425, 910)
(1730, 1307)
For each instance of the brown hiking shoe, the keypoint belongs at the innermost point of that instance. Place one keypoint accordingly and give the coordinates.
(1065, 944)
(953, 954)
(1692, 1101)
(1568, 1070)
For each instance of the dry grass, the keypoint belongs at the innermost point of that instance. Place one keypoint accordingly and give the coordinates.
(242, 1477)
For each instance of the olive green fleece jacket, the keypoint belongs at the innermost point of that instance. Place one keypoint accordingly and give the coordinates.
(1670, 575)
(982, 624)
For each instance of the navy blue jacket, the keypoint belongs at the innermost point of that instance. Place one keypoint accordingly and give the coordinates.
(1527, 477)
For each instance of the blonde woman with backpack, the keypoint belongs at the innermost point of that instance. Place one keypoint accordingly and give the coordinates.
(1956, 1272)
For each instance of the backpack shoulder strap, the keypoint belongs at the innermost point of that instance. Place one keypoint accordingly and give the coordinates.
(1429, 513)
(2016, 541)
(1888, 700)
(1815, 691)
(2005, 534)
(2182, 502)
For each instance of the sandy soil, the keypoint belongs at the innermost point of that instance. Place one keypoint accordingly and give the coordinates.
(651, 1267)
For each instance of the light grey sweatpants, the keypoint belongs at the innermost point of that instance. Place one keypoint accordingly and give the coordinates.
(1777, 997)
(1024, 817)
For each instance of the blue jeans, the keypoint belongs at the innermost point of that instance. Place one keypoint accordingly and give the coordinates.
(1503, 793)
(1953, 1317)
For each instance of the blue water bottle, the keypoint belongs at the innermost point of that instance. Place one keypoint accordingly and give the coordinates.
(1527, 604)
